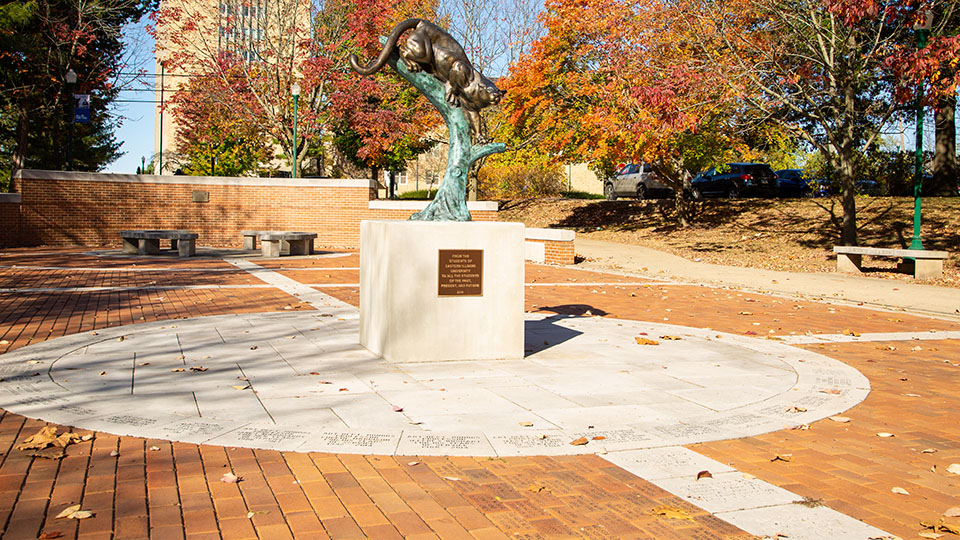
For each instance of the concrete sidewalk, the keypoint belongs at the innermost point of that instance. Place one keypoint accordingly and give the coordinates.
(881, 293)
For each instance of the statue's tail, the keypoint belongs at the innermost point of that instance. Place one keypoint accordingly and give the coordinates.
(377, 65)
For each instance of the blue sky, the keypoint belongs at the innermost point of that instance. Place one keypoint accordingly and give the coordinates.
(136, 129)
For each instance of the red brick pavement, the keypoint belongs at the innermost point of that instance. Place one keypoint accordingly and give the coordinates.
(159, 489)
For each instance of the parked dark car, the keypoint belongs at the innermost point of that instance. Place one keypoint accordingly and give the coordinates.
(736, 180)
(795, 183)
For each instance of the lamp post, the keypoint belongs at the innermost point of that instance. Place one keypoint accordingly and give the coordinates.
(922, 28)
(71, 79)
(295, 90)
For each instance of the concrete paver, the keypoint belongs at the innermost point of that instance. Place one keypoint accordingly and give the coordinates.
(838, 466)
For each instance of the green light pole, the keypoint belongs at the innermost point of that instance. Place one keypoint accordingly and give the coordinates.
(922, 28)
(295, 90)
(71, 80)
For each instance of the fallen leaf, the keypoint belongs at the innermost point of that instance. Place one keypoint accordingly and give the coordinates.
(670, 512)
(745, 313)
(74, 512)
(181, 357)
(884, 434)
(230, 478)
(535, 488)
(67, 511)
(397, 409)
(121, 338)
(802, 427)
(671, 338)
(542, 436)
(114, 453)
(176, 370)
(526, 424)
(325, 382)
(954, 468)
(832, 391)
(451, 478)
(917, 348)
(886, 347)
(241, 386)
(645, 341)
(344, 390)
(841, 419)
(198, 368)
(50, 535)
(929, 451)
(253, 348)
(40, 440)
(154, 448)
(849, 332)
(579, 442)
(796, 409)
(103, 373)
(598, 438)
(704, 474)
(413, 463)
(314, 373)
(783, 457)
(899, 491)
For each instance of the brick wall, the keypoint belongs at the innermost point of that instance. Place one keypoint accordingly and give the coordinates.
(9, 219)
(553, 246)
(68, 208)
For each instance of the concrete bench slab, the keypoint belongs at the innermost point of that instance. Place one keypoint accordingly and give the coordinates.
(147, 242)
(922, 263)
(271, 242)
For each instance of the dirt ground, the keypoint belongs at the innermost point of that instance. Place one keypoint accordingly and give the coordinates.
(777, 234)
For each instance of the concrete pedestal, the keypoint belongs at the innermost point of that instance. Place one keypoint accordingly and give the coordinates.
(417, 304)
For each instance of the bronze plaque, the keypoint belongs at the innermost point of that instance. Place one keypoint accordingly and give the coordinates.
(461, 272)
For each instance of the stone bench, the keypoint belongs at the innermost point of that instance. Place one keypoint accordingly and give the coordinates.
(272, 242)
(922, 263)
(147, 242)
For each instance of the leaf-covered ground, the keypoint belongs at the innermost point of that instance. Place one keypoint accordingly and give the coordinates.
(777, 234)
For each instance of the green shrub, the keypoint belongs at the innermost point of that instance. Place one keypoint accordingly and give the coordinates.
(420, 194)
(581, 195)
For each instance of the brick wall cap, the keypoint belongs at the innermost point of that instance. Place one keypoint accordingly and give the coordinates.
(32, 174)
(559, 235)
(473, 206)
(10, 198)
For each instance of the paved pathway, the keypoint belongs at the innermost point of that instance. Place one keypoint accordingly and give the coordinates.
(165, 489)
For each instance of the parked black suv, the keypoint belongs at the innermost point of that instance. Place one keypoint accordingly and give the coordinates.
(736, 180)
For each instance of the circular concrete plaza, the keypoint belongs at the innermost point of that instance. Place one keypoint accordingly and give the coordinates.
(301, 381)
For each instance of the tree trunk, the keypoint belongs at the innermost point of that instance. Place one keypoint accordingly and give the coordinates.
(20, 152)
(848, 201)
(945, 152)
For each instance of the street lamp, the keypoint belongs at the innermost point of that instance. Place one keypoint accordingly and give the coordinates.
(922, 28)
(295, 90)
(71, 79)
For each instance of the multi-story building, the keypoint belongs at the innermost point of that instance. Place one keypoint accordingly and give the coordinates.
(192, 34)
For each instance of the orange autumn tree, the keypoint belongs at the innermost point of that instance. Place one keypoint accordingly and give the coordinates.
(611, 81)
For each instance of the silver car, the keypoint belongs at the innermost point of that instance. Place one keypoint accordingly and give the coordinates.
(635, 180)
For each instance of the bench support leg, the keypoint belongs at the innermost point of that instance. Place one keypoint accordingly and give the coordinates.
(923, 268)
(270, 248)
(249, 242)
(149, 246)
(301, 247)
(848, 262)
(187, 248)
(131, 246)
